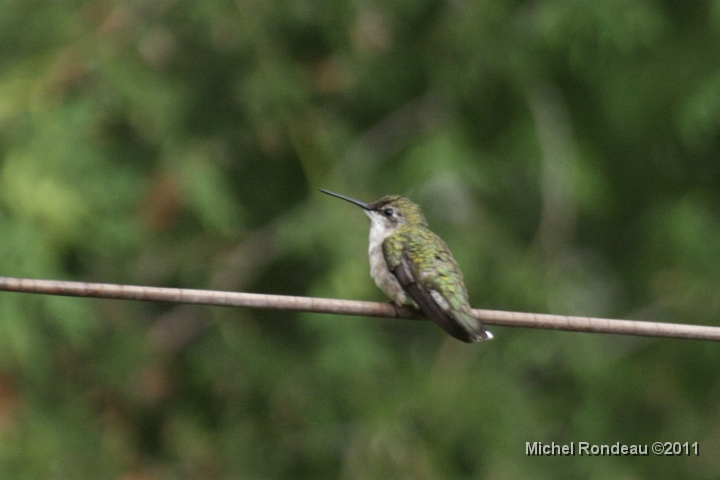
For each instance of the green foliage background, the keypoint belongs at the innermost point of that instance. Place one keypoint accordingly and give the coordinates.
(566, 151)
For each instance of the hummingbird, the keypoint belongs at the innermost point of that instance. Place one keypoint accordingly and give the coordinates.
(414, 266)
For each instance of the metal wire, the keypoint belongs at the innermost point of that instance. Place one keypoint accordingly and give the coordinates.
(352, 307)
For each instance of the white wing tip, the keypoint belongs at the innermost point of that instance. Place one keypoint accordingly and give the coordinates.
(476, 336)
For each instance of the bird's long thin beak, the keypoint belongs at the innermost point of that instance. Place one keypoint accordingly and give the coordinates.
(360, 204)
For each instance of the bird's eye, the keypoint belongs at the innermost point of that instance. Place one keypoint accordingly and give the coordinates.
(388, 212)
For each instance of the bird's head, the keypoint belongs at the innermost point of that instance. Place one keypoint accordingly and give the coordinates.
(390, 212)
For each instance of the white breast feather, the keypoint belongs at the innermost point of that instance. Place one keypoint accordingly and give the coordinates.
(378, 267)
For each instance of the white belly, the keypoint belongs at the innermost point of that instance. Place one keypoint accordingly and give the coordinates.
(379, 271)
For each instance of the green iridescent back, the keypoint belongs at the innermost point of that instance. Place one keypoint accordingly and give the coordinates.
(432, 262)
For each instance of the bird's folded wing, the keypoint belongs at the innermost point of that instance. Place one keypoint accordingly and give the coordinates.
(423, 298)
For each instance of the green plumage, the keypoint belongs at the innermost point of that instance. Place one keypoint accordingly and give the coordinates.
(421, 262)
(431, 262)
(437, 286)
(414, 266)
